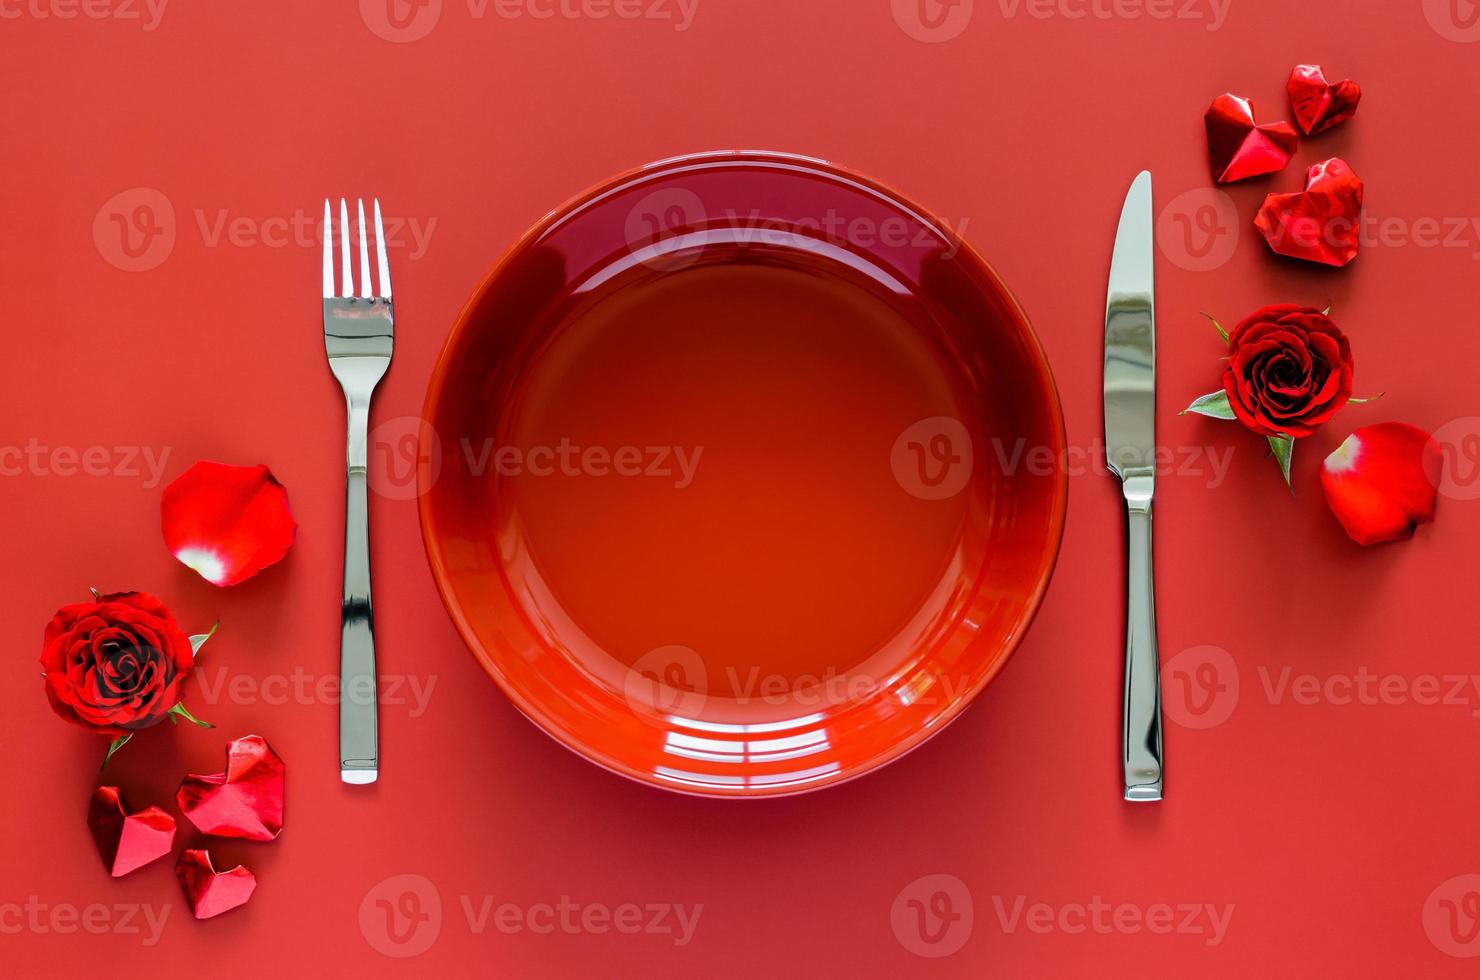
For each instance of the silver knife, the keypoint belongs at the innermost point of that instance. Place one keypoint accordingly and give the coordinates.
(1130, 449)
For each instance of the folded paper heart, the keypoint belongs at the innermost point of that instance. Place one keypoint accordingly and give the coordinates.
(1319, 224)
(127, 841)
(1238, 147)
(209, 892)
(1318, 105)
(244, 801)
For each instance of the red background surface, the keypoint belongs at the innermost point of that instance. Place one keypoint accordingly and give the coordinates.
(1334, 828)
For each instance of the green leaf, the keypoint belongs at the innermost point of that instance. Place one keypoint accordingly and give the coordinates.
(1364, 401)
(1284, 449)
(179, 710)
(1214, 405)
(113, 747)
(199, 639)
(1218, 327)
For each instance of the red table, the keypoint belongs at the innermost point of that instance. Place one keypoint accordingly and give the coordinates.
(165, 171)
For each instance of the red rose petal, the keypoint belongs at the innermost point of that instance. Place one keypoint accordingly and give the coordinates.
(210, 892)
(1382, 482)
(1317, 104)
(1319, 224)
(227, 522)
(127, 841)
(1240, 148)
(244, 801)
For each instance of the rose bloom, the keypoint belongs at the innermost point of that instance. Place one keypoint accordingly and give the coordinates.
(115, 665)
(1289, 370)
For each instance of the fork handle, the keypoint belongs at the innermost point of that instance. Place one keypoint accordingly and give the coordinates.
(1141, 738)
(359, 759)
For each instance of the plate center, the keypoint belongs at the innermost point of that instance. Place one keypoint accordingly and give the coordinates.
(707, 474)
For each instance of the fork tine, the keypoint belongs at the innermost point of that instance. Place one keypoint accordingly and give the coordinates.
(385, 266)
(364, 253)
(347, 283)
(328, 252)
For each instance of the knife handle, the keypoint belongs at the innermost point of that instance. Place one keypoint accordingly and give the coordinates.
(1142, 715)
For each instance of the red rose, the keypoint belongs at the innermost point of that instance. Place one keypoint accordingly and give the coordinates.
(115, 665)
(1289, 370)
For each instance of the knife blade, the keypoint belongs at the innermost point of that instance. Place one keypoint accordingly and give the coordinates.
(1130, 451)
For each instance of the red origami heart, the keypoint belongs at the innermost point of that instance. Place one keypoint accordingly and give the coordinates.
(1317, 104)
(244, 801)
(210, 892)
(1238, 147)
(127, 841)
(1319, 224)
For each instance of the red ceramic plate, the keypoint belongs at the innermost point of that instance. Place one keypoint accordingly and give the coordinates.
(740, 474)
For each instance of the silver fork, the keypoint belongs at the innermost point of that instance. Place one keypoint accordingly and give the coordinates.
(359, 334)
